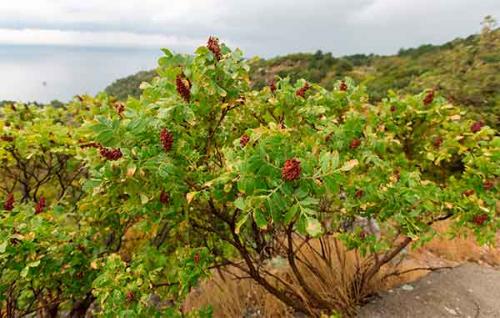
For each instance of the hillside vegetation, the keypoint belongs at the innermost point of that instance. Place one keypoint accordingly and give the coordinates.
(466, 71)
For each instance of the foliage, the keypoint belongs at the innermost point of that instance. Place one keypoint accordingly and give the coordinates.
(213, 173)
(41, 258)
(463, 70)
(129, 85)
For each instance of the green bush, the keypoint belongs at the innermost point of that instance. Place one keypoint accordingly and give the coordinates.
(204, 172)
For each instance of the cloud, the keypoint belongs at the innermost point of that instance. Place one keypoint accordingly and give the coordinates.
(264, 27)
(99, 39)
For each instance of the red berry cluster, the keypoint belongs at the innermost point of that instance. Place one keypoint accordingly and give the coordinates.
(9, 202)
(488, 185)
(301, 92)
(111, 153)
(164, 197)
(7, 138)
(438, 141)
(40, 206)
(359, 193)
(120, 108)
(167, 139)
(130, 296)
(183, 86)
(355, 143)
(480, 219)
(468, 193)
(196, 258)
(343, 86)
(362, 235)
(393, 108)
(244, 140)
(291, 170)
(429, 97)
(475, 127)
(272, 86)
(213, 46)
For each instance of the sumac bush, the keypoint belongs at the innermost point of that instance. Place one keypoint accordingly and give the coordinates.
(213, 174)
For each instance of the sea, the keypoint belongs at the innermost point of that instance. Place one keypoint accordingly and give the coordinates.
(46, 73)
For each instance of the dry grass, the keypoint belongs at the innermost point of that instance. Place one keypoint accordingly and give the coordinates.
(231, 297)
(460, 249)
(236, 297)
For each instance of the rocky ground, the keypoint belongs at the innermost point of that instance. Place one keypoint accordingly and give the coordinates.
(469, 291)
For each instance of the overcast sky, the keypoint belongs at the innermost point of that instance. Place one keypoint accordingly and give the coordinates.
(263, 27)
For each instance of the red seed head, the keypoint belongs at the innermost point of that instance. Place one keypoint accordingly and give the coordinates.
(183, 87)
(343, 86)
(7, 138)
(167, 139)
(488, 185)
(9, 202)
(111, 153)
(40, 206)
(164, 197)
(480, 219)
(244, 140)
(130, 296)
(468, 193)
(196, 258)
(291, 170)
(214, 47)
(359, 193)
(272, 86)
(475, 127)
(438, 141)
(393, 108)
(362, 235)
(120, 108)
(301, 92)
(355, 143)
(429, 97)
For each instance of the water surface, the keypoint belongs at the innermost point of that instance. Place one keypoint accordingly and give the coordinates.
(46, 73)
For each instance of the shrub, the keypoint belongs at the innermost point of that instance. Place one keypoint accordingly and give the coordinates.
(212, 174)
(251, 172)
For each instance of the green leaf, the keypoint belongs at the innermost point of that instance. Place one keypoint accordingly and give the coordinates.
(291, 213)
(3, 247)
(259, 218)
(240, 223)
(240, 203)
(167, 52)
(309, 201)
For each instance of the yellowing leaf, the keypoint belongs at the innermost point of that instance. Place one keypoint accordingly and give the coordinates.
(144, 199)
(131, 170)
(349, 165)
(240, 223)
(313, 227)
(94, 265)
(190, 196)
